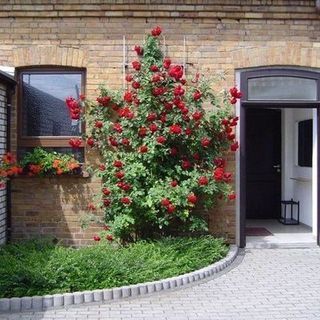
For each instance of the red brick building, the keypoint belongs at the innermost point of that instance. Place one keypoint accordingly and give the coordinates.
(89, 42)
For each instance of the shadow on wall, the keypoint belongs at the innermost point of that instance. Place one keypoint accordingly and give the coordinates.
(52, 207)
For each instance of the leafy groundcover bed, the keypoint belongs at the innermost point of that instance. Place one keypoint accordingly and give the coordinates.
(39, 267)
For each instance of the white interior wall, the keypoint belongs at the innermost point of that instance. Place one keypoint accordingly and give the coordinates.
(296, 181)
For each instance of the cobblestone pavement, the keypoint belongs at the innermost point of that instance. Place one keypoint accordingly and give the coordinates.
(266, 284)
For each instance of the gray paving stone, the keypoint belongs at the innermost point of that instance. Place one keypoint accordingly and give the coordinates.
(279, 284)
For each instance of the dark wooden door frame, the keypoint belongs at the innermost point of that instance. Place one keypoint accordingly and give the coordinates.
(244, 104)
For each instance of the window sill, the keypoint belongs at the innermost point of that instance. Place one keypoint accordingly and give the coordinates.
(83, 174)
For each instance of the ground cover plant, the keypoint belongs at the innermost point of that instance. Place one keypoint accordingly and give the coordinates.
(161, 151)
(39, 267)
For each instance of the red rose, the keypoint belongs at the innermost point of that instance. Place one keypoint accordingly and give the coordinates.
(227, 177)
(185, 118)
(125, 113)
(113, 141)
(180, 104)
(129, 77)
(75, 142)
(119, 174)
(234, 146)
(98, 124)
(135, 85)
(152, 116)
(106, 228)
(220, 162)
(175, 129)
(90, 142)
(176, 72)
(231, 196)
(168, 106)
(233, 100)
(143, 149)
(109, 237)
(174, 183)
(235, 93)
(183, 81)
(163, 118)
(165, 202)
(234, 122)
(117, 127)
(192, 198)
(188, 131)
(118, 164)
(126, 200)
(154, 68)
(104, 101)
(218, 174)
(186, 164)
(128, 96)
(197, 95)
(231, 136)
(225, 122)
(136, 65)
(178, 91)
(166, 63)
(155, 78)
(228, 129)
(161, 139)
(125, 186)
(102, 167)
(173, 151)
(153, 127)
(203, 181)
(184, 111)
(106, 191)
(205, 142)
(171, 208)
(196, 156)
(106, 202)
(197, 115)
(155, 32)
(138, 50)
(96, 238)
(125, 141)
(158, 91)
(142, 132)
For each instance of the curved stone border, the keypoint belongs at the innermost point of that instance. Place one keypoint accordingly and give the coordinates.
(38, 303)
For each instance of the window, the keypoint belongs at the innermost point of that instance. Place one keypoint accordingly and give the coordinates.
(305, 143)
(282, 88)
(43, 116)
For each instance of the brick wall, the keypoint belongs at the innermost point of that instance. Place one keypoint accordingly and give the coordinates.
(211, 36)
(3, 148)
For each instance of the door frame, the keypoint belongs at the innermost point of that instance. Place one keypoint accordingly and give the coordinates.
(244, 105)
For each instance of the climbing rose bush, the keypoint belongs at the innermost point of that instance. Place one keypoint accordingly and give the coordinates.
(162, 153)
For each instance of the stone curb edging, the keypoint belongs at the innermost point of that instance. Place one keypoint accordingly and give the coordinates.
(39, 303)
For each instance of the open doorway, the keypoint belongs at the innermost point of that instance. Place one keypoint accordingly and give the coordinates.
(279, 158)
(279, 167)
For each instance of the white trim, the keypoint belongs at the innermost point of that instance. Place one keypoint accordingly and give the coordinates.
(315, 175)
(237, 166)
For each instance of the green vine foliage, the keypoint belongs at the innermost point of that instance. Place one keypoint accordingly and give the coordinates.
(162, 152)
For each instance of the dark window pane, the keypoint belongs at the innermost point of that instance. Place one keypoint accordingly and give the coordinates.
(305, 143)
(77, 153)
(44, 112)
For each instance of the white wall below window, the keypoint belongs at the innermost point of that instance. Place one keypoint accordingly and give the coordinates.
(296, 180)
